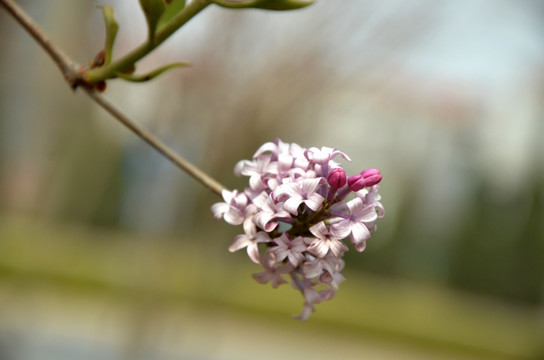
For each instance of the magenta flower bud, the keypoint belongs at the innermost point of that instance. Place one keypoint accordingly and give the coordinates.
(368, 177)
(337, 178)
(356, 182)
(372, 176)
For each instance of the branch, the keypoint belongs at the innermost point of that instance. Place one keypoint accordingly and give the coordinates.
(70, 71)
(68, 68)
(156, 143)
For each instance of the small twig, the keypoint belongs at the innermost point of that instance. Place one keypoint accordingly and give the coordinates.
(68, 68)
(70, 72)
(156, 143)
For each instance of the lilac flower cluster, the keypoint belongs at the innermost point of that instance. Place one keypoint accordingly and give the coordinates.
(297, 209)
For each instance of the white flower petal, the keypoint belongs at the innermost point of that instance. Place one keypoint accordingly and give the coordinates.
(264, 221)
(319, 248)
(366, 214)
(292, 204)
(359, 233)
(234, 216)
(361, 246)
(240, 242)
(309, 185)
(228, 195)
(341, 229)
(340, 209)
(253, 253)
(249, 227)
(379, 209)
(355, 205)
(319, 230)
(306, 312)
(312, 269)
(314, 201)
(256, 182)
(269, 146)
(219, 209)
(337, 247)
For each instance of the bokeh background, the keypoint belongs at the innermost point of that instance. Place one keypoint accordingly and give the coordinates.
(108, 251)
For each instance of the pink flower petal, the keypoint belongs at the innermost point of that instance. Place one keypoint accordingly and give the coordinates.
(234, 217)
(341, 229)
(265, 221)
(269, 146)
(366, 214)
(309, 185)
(312, 269)
(319, 230)
(228, 195)
(319, 248)
(219, 209)
(240, 242)
(292, 204)
(337, 247)
(359, 233)
(253, 253)
(314, 201)
(306, 312)
(361, 246)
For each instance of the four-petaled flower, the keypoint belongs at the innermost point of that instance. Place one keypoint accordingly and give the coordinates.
(272, 271)
(250, 239)
(291, 249)
(358, 216)
(325, 241)
(300, 192)
(232, 210)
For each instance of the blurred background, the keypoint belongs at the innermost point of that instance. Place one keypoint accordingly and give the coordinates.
(108, 251)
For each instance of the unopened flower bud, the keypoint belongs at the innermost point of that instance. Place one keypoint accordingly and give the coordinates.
(366, 178)
(356, 182)
(337, 178)
(372, 176)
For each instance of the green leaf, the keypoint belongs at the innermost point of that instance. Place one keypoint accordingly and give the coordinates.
(264, 4)
(283, 4)
(153, 74)
(173, 8)
(111, 32)
(153, 10)
(236, 4)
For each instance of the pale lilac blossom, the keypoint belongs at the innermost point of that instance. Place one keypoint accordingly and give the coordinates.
(250, 240)
(325, 241)
(290, 249)
(360, 217)
(269, 212)
(300, 192)
(296, 212)
(232, 210)
(324, 155)
(273, 271)
(322, 158)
